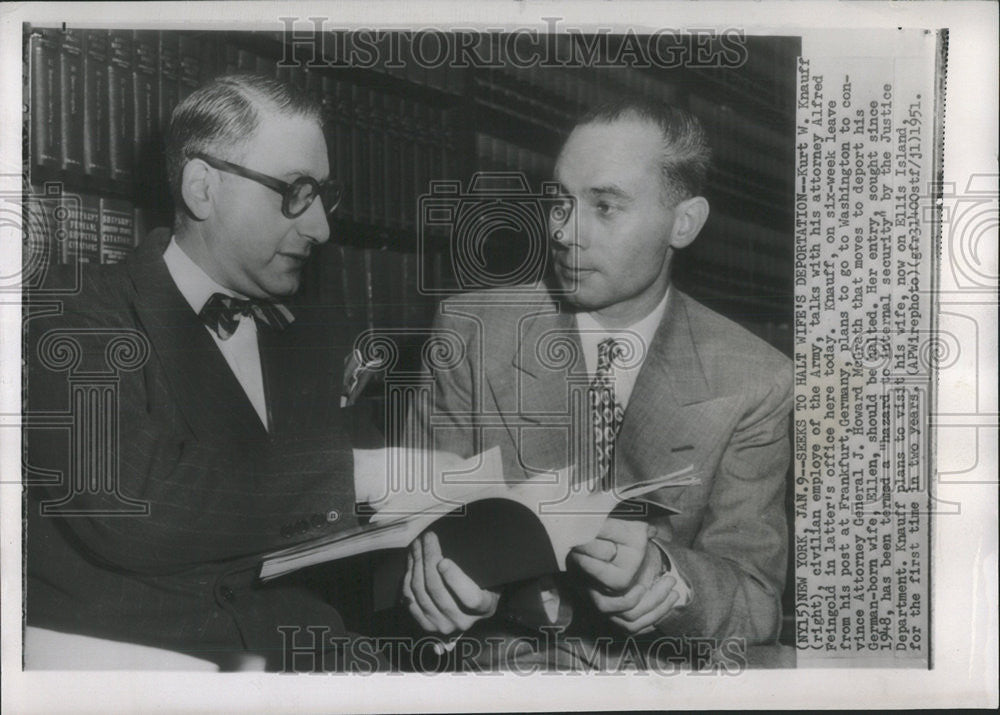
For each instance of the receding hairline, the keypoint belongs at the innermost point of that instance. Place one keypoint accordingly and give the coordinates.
(671, 151)
(264, 109)
(654, 157)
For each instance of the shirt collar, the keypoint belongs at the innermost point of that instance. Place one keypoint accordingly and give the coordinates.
(645, 328)
(194, 284)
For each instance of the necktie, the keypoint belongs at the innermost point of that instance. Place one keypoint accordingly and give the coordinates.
(222, 313)
(606, 413)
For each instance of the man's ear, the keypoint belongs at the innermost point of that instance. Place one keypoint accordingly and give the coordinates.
(689, 217)
(198, 185)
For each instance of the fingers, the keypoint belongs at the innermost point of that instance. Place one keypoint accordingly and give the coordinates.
(602, 549)
(411, 599)
(649, 618)
(629, 533)
(440, 594)
(423, 599)
(617, 575)
(634, 602)
(474, 599)
(443, 598)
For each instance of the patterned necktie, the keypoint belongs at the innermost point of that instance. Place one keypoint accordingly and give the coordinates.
(222, 313)
(606, 413)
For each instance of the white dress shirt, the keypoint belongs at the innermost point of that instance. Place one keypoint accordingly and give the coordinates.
(240, 350)
(637, 339)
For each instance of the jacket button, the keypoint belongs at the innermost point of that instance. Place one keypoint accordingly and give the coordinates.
(287, 531)
(317, 521)
(332, 515)
(227, 594)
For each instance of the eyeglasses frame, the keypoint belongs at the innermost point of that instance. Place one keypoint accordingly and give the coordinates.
(277, 185)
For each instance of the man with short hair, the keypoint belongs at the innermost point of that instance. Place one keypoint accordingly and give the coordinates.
(229, 433)
(670, 385)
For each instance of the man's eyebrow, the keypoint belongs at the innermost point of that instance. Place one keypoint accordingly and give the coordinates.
(609, 190)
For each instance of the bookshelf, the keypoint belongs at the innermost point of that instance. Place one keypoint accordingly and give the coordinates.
(97, 103)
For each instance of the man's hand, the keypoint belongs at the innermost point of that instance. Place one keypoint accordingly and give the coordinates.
(439, 595)
(627, 568)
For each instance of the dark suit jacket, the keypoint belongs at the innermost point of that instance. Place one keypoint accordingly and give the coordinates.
(709, 394)
(219, 488)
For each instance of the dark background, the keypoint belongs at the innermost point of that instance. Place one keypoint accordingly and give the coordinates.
(395, 127)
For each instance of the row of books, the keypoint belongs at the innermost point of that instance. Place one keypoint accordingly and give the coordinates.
(80, 227)
(764, 83)
(377, 287)
(495, 154)
(99, 99)
(731, 246)
(425, 59)
(740, 140)
(554, 97)
(125, 84)
(387, 150)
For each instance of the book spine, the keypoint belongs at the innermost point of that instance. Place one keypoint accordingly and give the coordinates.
(369, 288)
(41, 246)
(420, 153)
(265, 67)
(168, 77)
(354, 281)
(246, 61)
(117, 222)
(71, 100)
(376, 159)
(408, 187)
(343, 142)
(391, 157)
(96, 125)
(141, 225)
(360, 154)
(145, 112)
(83, 233)
(120, 109)
(45, 99)
(230, 57)
(189, 56)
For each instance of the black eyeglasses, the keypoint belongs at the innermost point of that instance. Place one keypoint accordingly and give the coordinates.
(296, 197)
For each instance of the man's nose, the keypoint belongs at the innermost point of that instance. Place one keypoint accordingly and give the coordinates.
(567, 234)
(314, 223)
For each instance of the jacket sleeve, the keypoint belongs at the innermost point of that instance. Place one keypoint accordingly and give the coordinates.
(737, 561)
(199, 500)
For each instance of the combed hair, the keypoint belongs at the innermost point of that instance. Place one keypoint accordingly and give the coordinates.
(224, 113)
(686, 155)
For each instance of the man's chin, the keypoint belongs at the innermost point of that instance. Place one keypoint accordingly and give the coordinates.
(282, 290)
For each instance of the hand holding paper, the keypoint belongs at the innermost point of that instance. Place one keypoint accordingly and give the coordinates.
(438, 594)
(628, 570)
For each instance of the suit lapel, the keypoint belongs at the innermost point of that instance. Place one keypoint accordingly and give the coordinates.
(209, 395)
(540, 387)
(660, 434)
(548, 361)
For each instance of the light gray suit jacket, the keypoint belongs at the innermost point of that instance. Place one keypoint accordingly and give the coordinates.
(709, 394)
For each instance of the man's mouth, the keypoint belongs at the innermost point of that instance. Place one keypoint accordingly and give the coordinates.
(572, 268)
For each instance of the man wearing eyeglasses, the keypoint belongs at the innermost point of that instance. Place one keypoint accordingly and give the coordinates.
(229, 436)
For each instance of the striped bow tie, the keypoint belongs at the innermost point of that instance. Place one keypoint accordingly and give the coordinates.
(222, 313)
